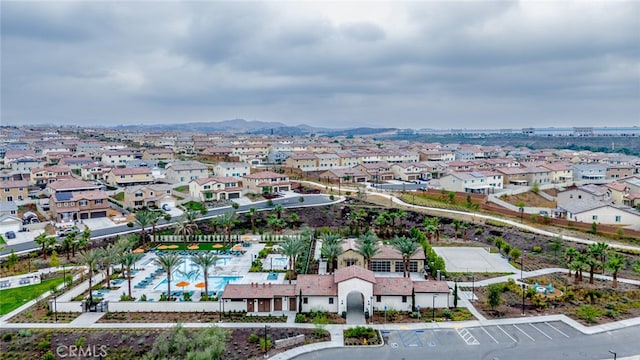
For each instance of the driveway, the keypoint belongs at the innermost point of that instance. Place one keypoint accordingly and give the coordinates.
(473, 259)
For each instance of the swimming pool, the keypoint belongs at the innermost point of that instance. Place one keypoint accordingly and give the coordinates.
(190, 272)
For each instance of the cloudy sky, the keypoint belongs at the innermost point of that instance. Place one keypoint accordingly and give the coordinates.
(425, 64)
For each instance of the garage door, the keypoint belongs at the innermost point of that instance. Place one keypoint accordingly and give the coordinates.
(10, 226)
(234, 195)
(98, 214)
(84, 216)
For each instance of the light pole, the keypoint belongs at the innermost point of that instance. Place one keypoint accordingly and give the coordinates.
(433, 308)
(615, 354)
(523, 291)
(372, 310)
(473, 285)
(55, 307)
(64, 277)
(521, 209)
(219, 309)
(266, 343)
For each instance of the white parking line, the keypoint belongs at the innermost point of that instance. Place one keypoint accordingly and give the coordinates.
(527, 335)
(540, 331)
(510, 337)
(486, 332)
(556, 329)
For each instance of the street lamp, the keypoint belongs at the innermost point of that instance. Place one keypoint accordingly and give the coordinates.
(266, 343)
(521, 209)
(473, 285)
(433, 308)
(615, 354)
(523, 291)
(55, 307)
(524, 253)
(371, 309)
(64, 277)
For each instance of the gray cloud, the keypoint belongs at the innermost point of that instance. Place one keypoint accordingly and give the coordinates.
(417, 64)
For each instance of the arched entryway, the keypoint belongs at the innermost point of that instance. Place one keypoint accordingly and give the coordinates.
(355, 308)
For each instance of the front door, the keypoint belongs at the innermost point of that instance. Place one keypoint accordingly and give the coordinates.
(292, 304)
(277, 304)
(264, 305)
(249, 305)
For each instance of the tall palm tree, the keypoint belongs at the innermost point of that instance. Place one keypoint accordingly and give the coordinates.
(128, 260)
(69, 243)
(368, 247)
(169, 262)
(142, 219)
(601, 249)
(429, 227)
(184, 229)
(569, 255)
(205, 260)
(83, 240)
(331, 248)
(292, 247)
(90, 259)
(464, 226)
(578, 265)
(252, 215)
(352, 220)
(616, 263)
(406, 247)
(154, 218)
(227, 220)
(107, 256)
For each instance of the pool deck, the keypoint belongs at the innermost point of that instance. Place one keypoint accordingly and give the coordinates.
(236, 265)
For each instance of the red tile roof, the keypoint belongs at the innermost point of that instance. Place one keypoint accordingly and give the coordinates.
(354, 271)
(431, 286)
(316, 285)
(392, 286)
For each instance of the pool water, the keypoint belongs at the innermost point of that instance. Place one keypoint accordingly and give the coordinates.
(192, 273)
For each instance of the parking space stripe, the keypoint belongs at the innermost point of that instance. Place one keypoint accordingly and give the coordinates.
(510, 337)
(541, 332)
(527, 335)
(558, 330)
(486, 332)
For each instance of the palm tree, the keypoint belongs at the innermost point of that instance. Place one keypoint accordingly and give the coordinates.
(569, 254)
(169, 262)
(252, 215)
(275, 223)
(89, 258)
(429, 227)
(184, 229)
(616, 263)
(578, 265)
(292, 247)
(83, 241)
(46, 242)
(142, 218)
(69, 243)
(556, 246)
(368, 247)
(601, 249)
(107, 256)
(456, 225)
(406, 247)
(227, 220)
(128, 260)
(294, 219)
(353, 219)
(205, 260)
(331, 248)
(464, 226)
(154, 218)
(278, 209)
(190, 216)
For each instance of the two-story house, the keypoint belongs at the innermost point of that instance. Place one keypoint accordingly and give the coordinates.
(265, 182)
(215, 188)
(161, 154)
(559, 172)
(74, 200)
(410, 171)
(231, 169)
(150, 196)
(129, 176)
(378, 172)
(14, 190)
(94, 171)
(47, 175)
(182, 172)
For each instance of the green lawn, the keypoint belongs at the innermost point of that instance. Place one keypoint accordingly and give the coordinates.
(11, 299)
(119, 196)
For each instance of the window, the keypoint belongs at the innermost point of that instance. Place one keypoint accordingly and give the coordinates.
(330, 301)
(138, 203)
(305, 300)
(381, 266)
(138, 195)
(83, 203)
(594, 217)
(378, 298)
(98, 201)
(618, 218)
(404, 299)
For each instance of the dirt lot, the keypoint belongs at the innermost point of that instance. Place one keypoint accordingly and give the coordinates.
(530, 199)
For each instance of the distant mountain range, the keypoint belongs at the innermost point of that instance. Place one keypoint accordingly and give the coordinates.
(260, 127)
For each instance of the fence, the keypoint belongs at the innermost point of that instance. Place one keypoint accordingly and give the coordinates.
(235, 238)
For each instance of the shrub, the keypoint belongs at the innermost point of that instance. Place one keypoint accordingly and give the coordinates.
(48, 356)
(447, 314)
(589, 313)
(301, 318)
(7, 337)
(130, 224)
(253, 338)
(44, 344)
(360, 332)
(479, 231)
(537, 249)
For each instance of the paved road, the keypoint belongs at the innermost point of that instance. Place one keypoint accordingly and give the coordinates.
(289, 202)
(538, 340)
(400, 187)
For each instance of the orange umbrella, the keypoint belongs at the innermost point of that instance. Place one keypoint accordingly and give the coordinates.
(173, 247)
(163, 247)
(247, 238)
(217, 246)
(199, 285)
(193, 247)
(182, 284)
(139, 250)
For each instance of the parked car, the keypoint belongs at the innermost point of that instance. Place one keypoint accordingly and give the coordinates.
(10, 235)
(544, 213)
(67, 231)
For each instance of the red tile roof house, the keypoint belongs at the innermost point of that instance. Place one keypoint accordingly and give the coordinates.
(349, 289)
(265, 182)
